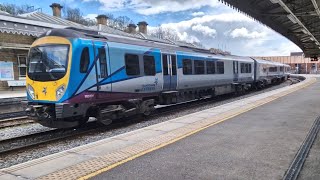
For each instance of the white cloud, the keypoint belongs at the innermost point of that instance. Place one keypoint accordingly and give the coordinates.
(244, 33)
(198, 13)
(205, 30)
(90, 16)
(226, 17)
(184, 36)
(149, 7)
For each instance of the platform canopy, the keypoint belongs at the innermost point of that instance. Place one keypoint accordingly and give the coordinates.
(298, 20)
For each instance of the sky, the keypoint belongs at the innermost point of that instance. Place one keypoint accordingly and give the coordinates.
(209, 22)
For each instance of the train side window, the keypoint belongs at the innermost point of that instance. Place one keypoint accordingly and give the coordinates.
(149, 65)
(273, 69)
(165, 64)
(211, 67)
(85, 60)
(132, 64)
(103, 63)
(174, 65)
(242, 67)
(199, 67)
(249, 68)
(281, 69)
(187, 66)
(220, 67)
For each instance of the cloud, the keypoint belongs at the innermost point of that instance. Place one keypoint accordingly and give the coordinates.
(244, 33)
(200, 13)
(225, 17)
(90, 16)
(205, 30)
(149, 7)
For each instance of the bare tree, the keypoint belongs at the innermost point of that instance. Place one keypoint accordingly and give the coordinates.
(75, 15)
(165, 33)
(15, 10)
(120, 22)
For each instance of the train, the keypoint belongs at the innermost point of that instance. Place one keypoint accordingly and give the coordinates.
(74, 75)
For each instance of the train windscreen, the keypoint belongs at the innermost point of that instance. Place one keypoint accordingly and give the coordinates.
(48, 63)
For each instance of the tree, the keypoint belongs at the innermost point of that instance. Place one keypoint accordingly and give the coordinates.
(75, 15)
(15, 10)
(165, 33)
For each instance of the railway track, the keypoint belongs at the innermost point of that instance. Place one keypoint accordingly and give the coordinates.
(23, 143)
(17, 121)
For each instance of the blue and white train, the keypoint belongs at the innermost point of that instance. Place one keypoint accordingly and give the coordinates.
(75, 74)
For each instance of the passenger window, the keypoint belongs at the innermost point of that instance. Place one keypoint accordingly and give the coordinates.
(132, 64)
(250, 69)
(281, 69)
(220, 67)
(174, 65)
(149, 65)
(187, 66)
(242, 67)
(210, 67)
(85, 60)
(165, 64)
(198, 67)
(103, 63)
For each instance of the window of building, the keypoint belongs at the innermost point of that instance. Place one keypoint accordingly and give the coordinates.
(220, 67)
(211, 67)
(198, 67)
(187, 66)
(132, 64)
(165, 65)
(103, 63)
(149, 65)
(84, 61)
(22, 60)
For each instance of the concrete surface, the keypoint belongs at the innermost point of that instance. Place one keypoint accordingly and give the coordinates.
(259, 144)
(311, 168)
(12, 94)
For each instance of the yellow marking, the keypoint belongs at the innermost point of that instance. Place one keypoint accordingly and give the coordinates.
(51, 86)
(256, 104)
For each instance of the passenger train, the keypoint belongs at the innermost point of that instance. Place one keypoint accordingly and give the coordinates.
(74, 74)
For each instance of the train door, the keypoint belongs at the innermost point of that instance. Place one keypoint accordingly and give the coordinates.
(235, 71)
(169, 67)
(102, 66)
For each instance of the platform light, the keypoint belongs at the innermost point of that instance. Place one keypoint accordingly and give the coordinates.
(312, 39)
(292, 18)
(317, 43)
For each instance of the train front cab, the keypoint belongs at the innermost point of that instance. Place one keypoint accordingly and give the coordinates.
(48, 75)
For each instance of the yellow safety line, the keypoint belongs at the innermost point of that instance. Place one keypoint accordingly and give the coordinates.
(190, 133)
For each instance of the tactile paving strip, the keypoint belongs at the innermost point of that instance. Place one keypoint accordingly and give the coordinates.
(111, 160)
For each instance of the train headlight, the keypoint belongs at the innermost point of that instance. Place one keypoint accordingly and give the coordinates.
(31, 91)
(60, 92)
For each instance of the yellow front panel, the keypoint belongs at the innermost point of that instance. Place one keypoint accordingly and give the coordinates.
(46, 91)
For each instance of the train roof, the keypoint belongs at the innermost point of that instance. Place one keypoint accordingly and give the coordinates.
(163, 45)
(263, 61)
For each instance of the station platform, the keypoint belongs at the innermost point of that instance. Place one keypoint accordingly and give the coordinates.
(12, 94)
(253, 138)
